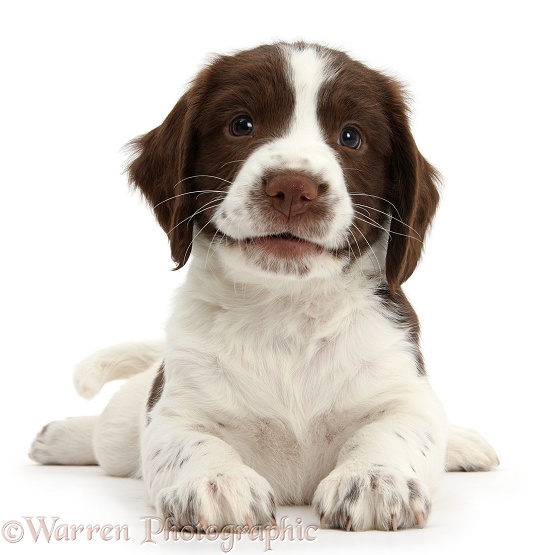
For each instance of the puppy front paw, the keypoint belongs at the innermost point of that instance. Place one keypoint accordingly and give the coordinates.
(236, 496)
(373, 497)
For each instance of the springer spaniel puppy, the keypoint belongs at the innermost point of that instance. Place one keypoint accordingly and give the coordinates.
(291, 372)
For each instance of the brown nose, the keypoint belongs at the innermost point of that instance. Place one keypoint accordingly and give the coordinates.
(291, 194)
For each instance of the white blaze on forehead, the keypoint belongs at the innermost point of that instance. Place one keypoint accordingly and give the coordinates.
(303, 147)
(309, 71)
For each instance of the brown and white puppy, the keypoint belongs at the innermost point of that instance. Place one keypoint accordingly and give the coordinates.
(291, 371)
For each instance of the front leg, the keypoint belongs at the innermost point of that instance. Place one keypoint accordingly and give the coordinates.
(198, 480)
(385, 473)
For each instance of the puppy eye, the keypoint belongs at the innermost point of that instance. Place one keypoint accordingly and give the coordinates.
(241, 126)
(350, 138)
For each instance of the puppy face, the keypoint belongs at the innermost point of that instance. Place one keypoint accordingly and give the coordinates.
(289, 161)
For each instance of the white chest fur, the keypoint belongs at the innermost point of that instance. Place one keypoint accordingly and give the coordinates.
(285, 377)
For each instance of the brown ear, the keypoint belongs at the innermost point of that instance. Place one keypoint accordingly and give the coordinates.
(415, 195)
(159, 171)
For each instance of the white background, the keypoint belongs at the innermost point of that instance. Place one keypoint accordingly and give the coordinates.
(84, 265)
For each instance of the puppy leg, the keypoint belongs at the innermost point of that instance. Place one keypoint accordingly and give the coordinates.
(111, 440)
(198, 480)
(468, 451)
(117, 434)
(386, 473)
(66, 441)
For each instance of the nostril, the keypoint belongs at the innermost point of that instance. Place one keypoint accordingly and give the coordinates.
(291, 194)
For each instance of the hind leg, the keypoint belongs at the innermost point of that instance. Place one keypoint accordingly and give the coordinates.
(111, 440)
(117, 434)
(468, 451)
(68, 441)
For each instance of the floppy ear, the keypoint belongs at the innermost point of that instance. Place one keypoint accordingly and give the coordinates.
(159, 170)
(414, 194)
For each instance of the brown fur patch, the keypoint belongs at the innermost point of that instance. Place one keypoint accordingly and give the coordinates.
(405, 315)
(156, 390)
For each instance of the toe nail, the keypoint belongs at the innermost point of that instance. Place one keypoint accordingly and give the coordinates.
(323, 521)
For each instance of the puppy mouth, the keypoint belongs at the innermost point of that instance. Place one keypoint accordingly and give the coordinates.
(284, 245)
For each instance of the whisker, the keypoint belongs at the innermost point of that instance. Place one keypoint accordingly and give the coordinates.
(389, 216)
(209, 248)
(355, 239)
(374, 223)
(355, 258)
(193, 238)
(380, 198)
(374, 254)
(199, 211)
(350, 232)
(224, 236)
(198, 192)
(387, 231)
(202, 175)
(231, 162)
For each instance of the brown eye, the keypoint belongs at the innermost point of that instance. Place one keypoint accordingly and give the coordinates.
(241, 126)
(350, 138)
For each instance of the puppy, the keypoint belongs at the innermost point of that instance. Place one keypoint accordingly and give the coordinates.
(291, 371)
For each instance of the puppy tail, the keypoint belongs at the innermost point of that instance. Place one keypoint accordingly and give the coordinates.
(114, 363)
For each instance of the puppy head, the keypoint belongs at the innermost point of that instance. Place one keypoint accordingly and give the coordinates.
(290, 161)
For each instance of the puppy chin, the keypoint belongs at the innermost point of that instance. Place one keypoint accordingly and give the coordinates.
(247, 263)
